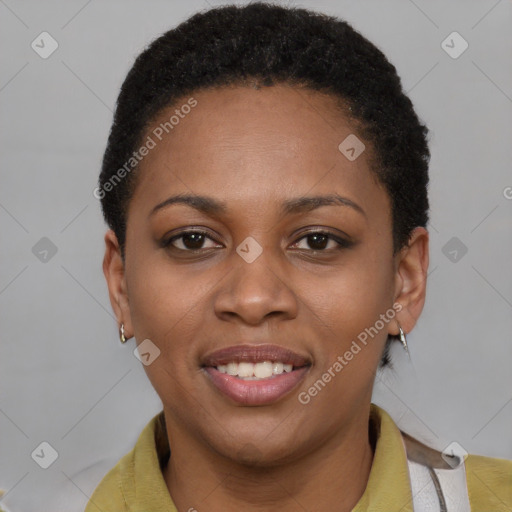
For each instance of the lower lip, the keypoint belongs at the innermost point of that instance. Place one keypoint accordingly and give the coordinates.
(256, 392)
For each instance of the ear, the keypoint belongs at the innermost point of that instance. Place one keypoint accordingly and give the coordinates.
(114, 271)
(411, 280)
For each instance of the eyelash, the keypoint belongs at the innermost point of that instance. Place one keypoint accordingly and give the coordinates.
(342, 243)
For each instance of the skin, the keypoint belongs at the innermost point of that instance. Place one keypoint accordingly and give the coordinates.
(254, 149)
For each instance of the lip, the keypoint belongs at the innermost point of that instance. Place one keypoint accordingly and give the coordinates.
(254, 354)
(255, 392)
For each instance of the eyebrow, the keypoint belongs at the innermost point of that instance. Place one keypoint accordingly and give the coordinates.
(211, 206)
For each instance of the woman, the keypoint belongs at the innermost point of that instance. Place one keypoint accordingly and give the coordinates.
(265, 185)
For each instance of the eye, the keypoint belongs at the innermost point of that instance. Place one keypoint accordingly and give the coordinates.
(193, 240)
(189, 240)
(318, 241)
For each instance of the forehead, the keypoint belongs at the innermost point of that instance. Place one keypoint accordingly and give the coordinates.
(252, 147)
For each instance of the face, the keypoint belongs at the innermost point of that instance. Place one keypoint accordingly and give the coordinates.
(262, 270)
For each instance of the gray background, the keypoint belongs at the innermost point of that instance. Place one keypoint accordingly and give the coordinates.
(64, 376)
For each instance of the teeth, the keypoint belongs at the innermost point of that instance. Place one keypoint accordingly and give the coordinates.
(262, 370)
(232, 369)
(255, 371)
(245, 369)
(277, 368)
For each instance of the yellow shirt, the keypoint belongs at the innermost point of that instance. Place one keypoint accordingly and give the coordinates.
(136, 483)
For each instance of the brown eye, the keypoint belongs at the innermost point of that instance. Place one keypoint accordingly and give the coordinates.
(190, 241)
(319, 240)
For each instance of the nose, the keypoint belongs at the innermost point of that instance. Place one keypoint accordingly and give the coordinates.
(253, 292)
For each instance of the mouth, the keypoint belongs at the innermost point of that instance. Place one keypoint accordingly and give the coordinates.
(255, 374)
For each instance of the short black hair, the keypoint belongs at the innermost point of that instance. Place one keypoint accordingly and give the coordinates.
(266, 44)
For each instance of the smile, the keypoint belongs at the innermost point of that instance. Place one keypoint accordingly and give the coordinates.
(255, 374)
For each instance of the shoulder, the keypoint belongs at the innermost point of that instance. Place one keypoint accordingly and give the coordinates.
(108, 494)
(489, 464)
(489, 482)
(136, 476)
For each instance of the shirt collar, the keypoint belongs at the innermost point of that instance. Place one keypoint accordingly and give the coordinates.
(388, 486)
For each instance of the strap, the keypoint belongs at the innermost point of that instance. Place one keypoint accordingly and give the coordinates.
(455, 489)
(438, 490)
(424, 495)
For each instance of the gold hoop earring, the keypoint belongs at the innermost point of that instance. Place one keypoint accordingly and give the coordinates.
(403, 339)
(121, 334)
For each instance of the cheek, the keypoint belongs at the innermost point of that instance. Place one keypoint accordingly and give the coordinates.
(354, 297)
(166, 309)
(352, 347)
(348, 306)
(165, 306)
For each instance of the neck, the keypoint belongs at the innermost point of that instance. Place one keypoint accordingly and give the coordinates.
(330, 477)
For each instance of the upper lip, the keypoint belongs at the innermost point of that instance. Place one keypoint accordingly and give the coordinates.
(255, 354)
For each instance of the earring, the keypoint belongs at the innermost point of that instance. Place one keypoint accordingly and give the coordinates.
(121, 335)
(403, 339)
